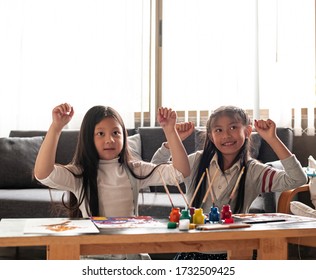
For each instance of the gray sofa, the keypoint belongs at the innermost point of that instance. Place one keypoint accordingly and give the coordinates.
(21, 196)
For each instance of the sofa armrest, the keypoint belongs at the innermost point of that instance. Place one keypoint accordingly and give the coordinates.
(287, 196)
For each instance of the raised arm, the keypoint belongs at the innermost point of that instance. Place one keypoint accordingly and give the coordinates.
(267, 130)
(45, 160)
(167, 120)
(162, 155)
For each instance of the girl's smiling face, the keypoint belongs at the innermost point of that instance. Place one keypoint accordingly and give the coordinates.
(229, 135)
(108, 138)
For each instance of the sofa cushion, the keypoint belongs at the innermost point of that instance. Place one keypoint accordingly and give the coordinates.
(151, 140)
(301, 209)
(199, 139)
(267, 154)
(17, 161)
(135, 146)
(255, 144)
(66, 144)
(33, 203)
(153, 137)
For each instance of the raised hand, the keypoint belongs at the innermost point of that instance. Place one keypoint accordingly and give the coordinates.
(62, 115)
(167, 118)
(266, 129)
(185, 129)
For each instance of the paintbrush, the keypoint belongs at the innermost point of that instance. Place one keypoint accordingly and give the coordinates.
(197, 188)
(180, 191)
(236, 185)
(166, 189)
(210, 187)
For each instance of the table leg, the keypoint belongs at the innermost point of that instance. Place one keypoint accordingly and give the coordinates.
(63, 252)
(273, 249)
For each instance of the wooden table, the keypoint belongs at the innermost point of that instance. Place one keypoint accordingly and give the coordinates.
(270, 240)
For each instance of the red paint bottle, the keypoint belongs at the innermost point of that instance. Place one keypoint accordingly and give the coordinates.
(175, 215)
(226, 213)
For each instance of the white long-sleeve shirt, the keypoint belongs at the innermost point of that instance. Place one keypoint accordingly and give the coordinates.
(117, 188)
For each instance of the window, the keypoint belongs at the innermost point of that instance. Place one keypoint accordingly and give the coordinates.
(82, 52)
(256, 54)
(259, 55)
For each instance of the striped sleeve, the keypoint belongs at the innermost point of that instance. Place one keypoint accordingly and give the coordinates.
(267, 180)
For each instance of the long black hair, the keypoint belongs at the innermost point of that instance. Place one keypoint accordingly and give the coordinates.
(210, 150)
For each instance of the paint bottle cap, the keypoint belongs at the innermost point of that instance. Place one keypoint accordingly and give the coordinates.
(172, 224)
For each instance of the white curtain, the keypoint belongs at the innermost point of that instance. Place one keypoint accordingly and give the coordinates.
(256, 54)
(85, 52)
(208, 52)
(287, 59)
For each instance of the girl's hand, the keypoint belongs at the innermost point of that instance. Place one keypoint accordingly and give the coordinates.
(166, 118)
(185, 129)
(266, 129)
(62, 114)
